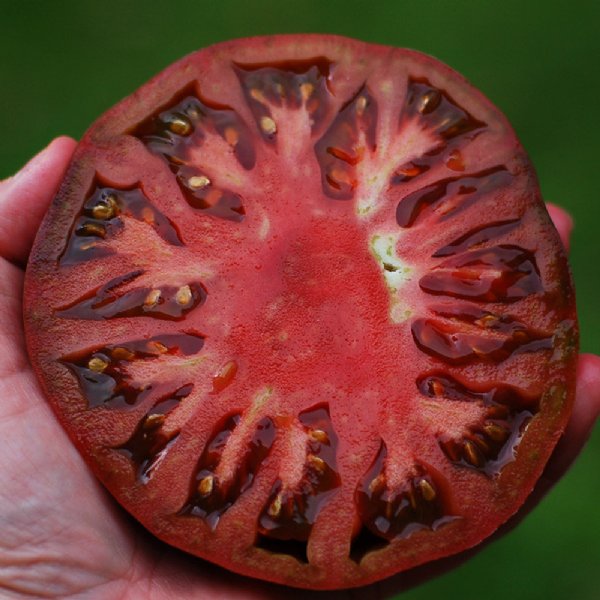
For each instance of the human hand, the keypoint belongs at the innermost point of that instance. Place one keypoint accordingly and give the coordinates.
(61, 534)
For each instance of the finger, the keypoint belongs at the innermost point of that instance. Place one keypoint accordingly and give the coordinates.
(562, 221)
(25, 197)
(179, 575)
(585, 413)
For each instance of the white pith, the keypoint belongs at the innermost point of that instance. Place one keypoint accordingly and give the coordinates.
(383, 248)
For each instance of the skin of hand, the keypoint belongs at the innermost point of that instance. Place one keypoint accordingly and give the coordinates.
(61, 534)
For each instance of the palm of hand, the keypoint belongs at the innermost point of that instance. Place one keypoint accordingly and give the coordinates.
(61, 535)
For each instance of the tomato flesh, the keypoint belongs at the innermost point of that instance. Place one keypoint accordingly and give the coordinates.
(309, 318)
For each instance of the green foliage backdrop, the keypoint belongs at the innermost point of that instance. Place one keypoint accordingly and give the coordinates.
(63, 63)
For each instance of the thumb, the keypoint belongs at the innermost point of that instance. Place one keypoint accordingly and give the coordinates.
(25, 197)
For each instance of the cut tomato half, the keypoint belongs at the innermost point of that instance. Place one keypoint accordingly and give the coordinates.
(301, 308)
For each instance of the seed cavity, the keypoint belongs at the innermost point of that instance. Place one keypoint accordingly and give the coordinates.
(502, 273)
(349, 138)
(389, 512)
(439, 111)
(149, 444)
(455, 344)
(292, 509)
(168, 302)
(182, 126)
(449, 197)
(104, 214)
(492, 443)
(211, 495)
(103, 373)
(271, 89)
(476, 236)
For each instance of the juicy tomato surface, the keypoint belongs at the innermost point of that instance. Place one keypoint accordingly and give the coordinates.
(301, 308)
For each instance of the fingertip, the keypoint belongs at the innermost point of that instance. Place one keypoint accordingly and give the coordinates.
(63, 144)
(588, 384)
(25, 197)
(563, 222)
(62, 141)
(60, 149)
(583, 418)
(585, 409)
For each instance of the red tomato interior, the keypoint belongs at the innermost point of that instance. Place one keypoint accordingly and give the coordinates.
(309, 318)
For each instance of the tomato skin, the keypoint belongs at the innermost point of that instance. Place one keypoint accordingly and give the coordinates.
(309, 318)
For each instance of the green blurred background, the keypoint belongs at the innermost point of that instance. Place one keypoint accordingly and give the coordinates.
(65, 62)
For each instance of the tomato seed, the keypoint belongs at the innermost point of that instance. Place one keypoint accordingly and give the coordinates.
(92, 229)
(120, 353)
(106, 208)
(429, 101)
(156, 347)
(184, 295)
(180, 125)
(225, 376)
(472, 454)
(377, 485)
(427, 490)
(306, 90)
(268, 125)
(153, 421)
(232, 137)
(319, 435)
(97, 364)
(206, 485)
(275, 506)
(257, 95)
(455, 161)
(198, 182)
(152, 298)
(495, 432)
(361, 104)
(316, 463)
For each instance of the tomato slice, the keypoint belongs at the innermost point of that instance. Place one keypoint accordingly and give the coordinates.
(303, 312)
